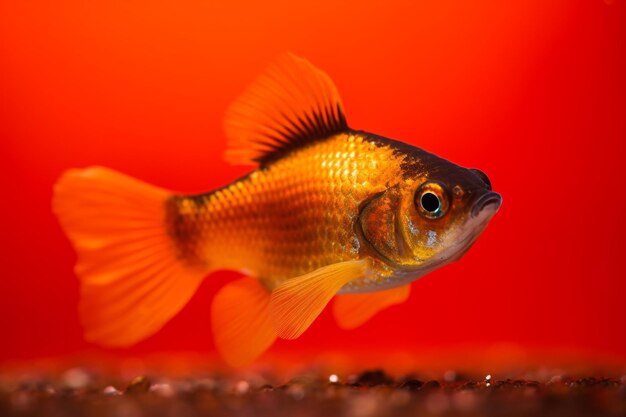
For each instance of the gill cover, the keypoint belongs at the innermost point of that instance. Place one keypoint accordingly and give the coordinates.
(404, 231)
(379, 225)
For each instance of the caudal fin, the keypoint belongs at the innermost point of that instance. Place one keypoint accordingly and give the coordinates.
(132, 281)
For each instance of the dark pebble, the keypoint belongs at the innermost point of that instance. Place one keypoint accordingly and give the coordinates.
(373, 378)
(312, 396)
(511, 383)
(34, 385)
(431, 385)
(139, 385)
(471, 385)
(607, 382)
(412, 385)
(593, 382)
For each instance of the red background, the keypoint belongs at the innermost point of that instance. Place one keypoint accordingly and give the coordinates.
(531, 92)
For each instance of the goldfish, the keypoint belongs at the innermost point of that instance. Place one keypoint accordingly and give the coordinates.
(328, 212)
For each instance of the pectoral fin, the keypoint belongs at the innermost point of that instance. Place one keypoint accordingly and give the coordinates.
(297, 302)
(352, 310)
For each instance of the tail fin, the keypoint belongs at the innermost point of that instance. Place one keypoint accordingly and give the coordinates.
(132, 281)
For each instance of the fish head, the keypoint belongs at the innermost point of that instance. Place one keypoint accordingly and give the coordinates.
(429, 218)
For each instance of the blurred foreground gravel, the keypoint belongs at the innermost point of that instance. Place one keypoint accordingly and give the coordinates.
(78, 392)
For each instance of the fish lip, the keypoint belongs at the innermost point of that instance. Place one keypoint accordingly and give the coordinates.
(489, 199)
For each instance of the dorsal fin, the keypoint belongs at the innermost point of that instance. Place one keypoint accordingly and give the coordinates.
(288, 106)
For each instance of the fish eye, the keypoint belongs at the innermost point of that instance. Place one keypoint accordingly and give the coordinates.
(482, 176)
(431, 200)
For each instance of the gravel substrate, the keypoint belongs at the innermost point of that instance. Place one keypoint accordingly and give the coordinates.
(78, 392)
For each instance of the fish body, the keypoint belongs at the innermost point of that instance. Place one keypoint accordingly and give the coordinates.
(329, 211)
(303, 211)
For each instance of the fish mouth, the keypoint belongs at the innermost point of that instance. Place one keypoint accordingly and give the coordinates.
(490, 200)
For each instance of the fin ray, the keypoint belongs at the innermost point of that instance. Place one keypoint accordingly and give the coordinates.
(132, 279)
(296, 303)
(292, 103)
(353, 310)
(128, 291)
(102, 312)
(240, 320)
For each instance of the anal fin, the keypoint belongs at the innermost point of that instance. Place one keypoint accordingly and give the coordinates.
(353, 310)
(242, 328)
(298, 301)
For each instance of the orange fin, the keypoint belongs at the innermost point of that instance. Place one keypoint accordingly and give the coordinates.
(242, 327)
(353, 310)
(298, 301)
(132, 282)
(290, 105)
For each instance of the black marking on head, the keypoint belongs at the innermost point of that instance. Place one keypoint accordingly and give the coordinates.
(483, 177)
(416, 161)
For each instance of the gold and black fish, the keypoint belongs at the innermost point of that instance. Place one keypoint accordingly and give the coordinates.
(328, 212)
